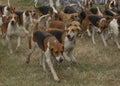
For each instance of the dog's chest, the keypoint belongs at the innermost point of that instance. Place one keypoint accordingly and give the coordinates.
(26, 19)
(69, 44)
(12, 30)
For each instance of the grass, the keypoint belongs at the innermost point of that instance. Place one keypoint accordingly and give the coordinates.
(97, 65)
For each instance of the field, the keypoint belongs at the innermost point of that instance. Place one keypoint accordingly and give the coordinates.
(97, 65)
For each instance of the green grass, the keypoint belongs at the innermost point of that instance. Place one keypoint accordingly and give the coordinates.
(97, 65)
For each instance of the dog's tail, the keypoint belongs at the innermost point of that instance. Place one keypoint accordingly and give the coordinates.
(57, 3)
(39, 20)
(52, 5)
(35, 3)
(99, 12)
(8, 2)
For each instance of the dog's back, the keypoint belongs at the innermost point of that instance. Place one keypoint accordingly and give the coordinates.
(39, 37)
(59, 34)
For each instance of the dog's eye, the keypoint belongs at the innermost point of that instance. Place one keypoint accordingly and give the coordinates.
(61, 51)
(56, 52)
(75, 25)
(72, 30)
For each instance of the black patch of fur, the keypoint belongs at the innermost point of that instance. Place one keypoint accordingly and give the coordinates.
(94, 10)
(118, 21)
(19, 15)
(69, 10)
(58, 34)
(82, 16)
(108, 13)
(40, 37)
(45, 9)
(94, 19)
(1, 9)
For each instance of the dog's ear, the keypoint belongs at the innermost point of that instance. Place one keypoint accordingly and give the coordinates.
(4, 19)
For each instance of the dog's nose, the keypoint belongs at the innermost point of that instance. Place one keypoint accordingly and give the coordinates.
(68, 36)
(12, 22)
(60, 60)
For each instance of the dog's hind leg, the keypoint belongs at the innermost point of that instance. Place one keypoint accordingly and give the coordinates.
(103, 39)
(9, 44)
(93, 35)
(116, 40)
(18, 43)
(31, 49)
(70, 54)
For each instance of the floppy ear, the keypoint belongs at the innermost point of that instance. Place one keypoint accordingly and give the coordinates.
(73, 17)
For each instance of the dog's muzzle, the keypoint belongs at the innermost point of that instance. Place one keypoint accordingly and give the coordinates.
(13, 22)
(59, 59)
(70, 38)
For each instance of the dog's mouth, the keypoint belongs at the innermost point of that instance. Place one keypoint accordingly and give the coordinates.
(70, 38)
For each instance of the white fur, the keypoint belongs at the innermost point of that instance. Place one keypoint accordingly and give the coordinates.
(58, 3)
(115, 30)
(8, 2)
(52, 5)
(27, 20)
(5, 11)
(99, 12)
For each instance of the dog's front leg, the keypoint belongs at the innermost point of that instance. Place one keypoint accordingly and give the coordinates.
(25, 26)
(31, 49)
(18, 43)
(93, 35)
(9, 44)
(66, 56)
(3, 40)
(88, 31)
(103, 39)
(116, 40)
(50, 65)
(72, 56)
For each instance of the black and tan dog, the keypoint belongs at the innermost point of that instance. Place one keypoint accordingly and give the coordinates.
(51, 48)
(97, 23)
(67, 37)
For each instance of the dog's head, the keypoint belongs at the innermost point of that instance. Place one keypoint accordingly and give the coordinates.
(57, 50)
(102, 24)
(11, 8)
(76, 24)
(13, 19)
(74, 16)
(72, 31)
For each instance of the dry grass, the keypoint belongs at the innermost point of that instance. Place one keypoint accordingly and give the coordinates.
(97, 65)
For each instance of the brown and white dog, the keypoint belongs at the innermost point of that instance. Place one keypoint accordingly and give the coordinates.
(10, 29)
(98, 24)
(67, 17)
(6, 10)
(25, 19)
(51, 48)
(114, 26)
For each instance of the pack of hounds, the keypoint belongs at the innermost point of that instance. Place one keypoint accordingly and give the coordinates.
(55, 31)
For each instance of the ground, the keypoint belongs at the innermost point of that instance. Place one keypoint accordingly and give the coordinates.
(97, 65)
